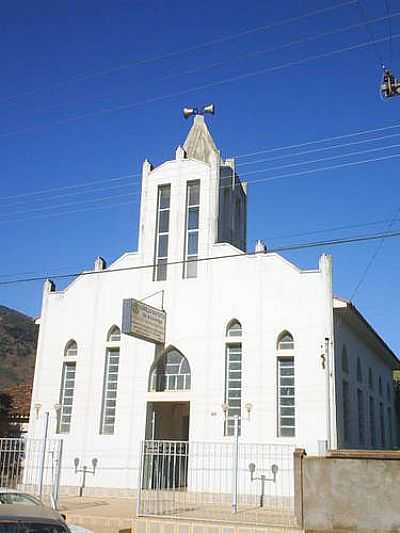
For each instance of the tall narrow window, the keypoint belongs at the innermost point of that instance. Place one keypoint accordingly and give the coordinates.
(372, 421)
(382, 424)
(361, 422)
(389, 415)
(345, 360)
(192, 229)
(286, 397)
(346, 414)
(66, 397)
(370, 379)
(359, 371)
(233, 387)
(109, 402)
(380, 388)
(161, 251)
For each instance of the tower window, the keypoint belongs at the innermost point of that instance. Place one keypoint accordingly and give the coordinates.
(161, 248)
(192, 229)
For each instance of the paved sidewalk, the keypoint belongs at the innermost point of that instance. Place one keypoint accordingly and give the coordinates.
(100, 515)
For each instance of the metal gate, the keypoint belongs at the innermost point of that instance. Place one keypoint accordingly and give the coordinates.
(203, 480)
(32, 465)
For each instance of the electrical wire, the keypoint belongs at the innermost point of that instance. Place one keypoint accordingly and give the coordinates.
(370, 33)
(288, 248)
(306, 152)
(374, 255)
(91, 183)
(389, 31)
(266, 178)
(209, 85)
(194, 48)
(258, 52)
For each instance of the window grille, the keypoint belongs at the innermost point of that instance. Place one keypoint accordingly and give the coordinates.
(192, 229)
(233, 387)
(162, 232)
(66, 397)
(172, 373)
(286, 397)
(71, 349)
(234, 329)
(110, 387)
(285, 341)
(114, 335)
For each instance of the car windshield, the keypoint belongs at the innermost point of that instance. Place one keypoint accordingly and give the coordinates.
(17, 497)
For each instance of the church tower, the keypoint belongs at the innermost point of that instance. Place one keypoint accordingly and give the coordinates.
(189, 204)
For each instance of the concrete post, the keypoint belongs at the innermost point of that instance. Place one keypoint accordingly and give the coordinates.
(298, 456)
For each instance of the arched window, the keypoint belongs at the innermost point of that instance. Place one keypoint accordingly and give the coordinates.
(285, 341)
(359, 371)
(171, 373)
(286, 386)
(345, 360)
(114, 334)
(71, 349)
(234, 329)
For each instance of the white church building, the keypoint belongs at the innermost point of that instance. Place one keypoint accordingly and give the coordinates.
(249, 337)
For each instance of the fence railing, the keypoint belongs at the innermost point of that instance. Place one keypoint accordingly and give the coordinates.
(32, 465)
(198, 480)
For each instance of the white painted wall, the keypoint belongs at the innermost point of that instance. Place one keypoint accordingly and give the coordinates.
(358, 347)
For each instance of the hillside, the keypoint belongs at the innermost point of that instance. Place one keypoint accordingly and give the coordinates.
(18, 337)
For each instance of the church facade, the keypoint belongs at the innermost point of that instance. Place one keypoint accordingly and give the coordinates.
(250, 338)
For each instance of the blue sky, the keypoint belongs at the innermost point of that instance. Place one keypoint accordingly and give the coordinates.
(89, 89)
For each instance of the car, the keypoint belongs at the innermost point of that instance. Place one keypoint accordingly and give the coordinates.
(22, 518)
(17, 498)
(10, 496)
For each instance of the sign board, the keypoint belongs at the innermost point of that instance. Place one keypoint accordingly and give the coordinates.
(143, 321)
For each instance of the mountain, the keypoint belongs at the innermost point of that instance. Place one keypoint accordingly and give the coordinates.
(18, 338)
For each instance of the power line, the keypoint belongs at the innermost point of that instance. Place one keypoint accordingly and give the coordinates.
(305, 152)
(374, 256)
(175, 53)
(258, 52)
(209, 85)
(114, 178)
(263, 179)
(293, 247)
(318, 141)
(389, 31)
(67, 187)
(370, 33)
(322, 159)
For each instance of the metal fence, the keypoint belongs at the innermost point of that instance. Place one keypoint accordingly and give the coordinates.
(31, 465)
(217, 481)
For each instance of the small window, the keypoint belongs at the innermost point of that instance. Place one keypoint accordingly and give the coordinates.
(71, 349)
(285, 341)
(234, 329)
(114, 335)
(345, 360)
(359, 371)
